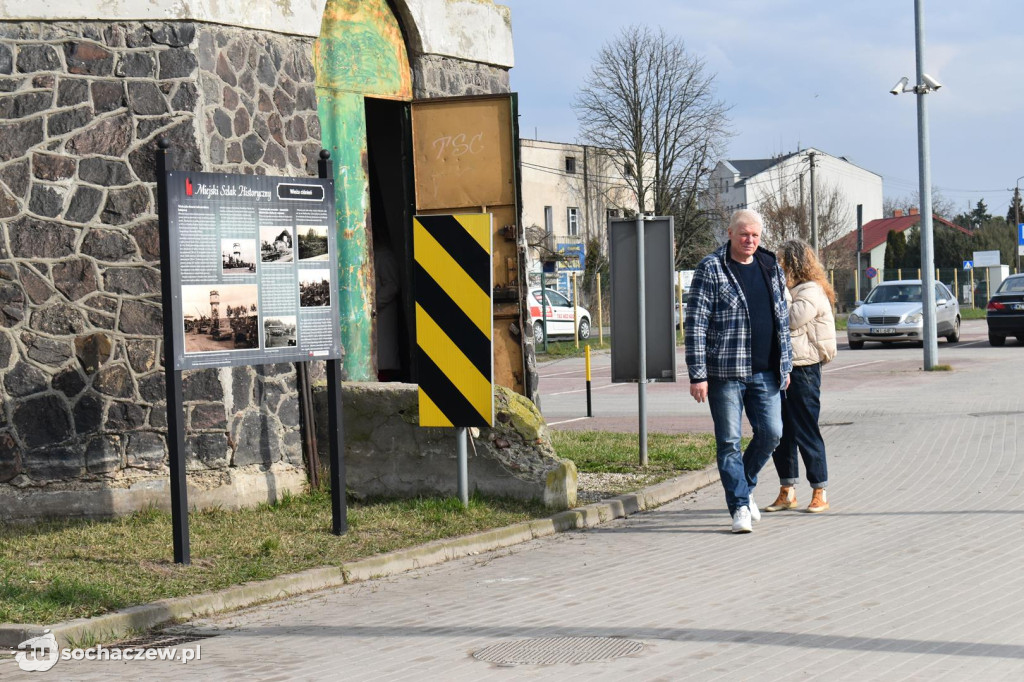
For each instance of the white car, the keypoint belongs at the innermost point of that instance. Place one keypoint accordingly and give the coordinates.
(559, 316)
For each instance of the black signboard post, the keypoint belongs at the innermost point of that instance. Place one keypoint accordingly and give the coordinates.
(249, 271)
(172, 376)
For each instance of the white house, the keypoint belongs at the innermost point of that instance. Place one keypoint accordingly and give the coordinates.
(569, 193)
(756, 183)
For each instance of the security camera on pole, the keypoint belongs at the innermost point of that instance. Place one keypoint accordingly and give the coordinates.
(925, 85)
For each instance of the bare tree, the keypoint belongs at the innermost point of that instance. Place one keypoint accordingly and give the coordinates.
(787, 214)
(941, 206)
(652, 106)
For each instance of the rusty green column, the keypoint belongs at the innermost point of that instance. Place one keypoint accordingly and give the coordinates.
(360, 53)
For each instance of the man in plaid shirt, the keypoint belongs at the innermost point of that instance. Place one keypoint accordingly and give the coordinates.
(739, 357)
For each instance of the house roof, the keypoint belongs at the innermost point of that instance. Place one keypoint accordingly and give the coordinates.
(876, 231)
(748, 168)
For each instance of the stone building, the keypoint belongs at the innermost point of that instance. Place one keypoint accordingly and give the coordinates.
(239, 86)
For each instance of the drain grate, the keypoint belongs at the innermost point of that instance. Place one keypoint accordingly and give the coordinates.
(550, 650)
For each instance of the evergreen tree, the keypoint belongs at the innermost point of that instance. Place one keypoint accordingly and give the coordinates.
(950, 247)
(998, 234)
(980, 215)
(895, 249)
(1015, 213)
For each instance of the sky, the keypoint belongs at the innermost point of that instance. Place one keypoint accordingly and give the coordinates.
(813, 73)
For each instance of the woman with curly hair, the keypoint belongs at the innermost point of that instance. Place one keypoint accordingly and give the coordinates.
(812, 328)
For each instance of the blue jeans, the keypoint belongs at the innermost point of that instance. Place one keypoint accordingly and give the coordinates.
(760, 396)
(801, 407)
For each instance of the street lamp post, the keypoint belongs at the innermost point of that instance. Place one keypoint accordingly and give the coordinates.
(925, 85)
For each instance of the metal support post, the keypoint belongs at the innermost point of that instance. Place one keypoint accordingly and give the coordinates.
(860, 247)
(575, 309)
(544, 306)
(172, 376)
(335, 423)
(461, 434)
(590, 412)
(931, 345)
(641, 302)
(814, 209)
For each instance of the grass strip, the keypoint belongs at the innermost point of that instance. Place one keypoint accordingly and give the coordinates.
(605, 452)
(58, 570)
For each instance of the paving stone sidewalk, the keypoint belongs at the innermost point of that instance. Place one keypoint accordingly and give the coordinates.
(915, 574)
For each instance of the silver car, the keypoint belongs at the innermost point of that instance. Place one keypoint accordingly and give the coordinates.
(893, 312)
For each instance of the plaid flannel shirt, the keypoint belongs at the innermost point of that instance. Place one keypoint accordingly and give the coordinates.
(718, 325)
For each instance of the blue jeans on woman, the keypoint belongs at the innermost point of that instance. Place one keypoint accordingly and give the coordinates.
(760, 396)
(801, 407)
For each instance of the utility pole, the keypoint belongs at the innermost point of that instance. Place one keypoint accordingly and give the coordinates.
(860, 247)
(1016, 219)
(814, 211)
(586, 198)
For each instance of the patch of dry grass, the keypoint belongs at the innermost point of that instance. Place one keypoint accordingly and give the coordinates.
(58, 570)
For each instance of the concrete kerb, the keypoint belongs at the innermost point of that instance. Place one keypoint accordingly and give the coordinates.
(119, 624)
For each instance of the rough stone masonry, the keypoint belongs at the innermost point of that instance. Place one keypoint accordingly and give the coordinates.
(82, 410)
(82, 107)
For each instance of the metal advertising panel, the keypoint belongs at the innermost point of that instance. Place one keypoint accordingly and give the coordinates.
(254, 267)
(659, 285)
(572, 256)
(453, 285)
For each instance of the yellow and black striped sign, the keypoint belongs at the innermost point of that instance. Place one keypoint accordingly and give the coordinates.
(452, 283)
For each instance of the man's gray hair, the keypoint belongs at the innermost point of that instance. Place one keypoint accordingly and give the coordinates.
(745, 216)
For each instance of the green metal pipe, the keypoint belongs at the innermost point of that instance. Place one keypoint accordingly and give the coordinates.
(360, 53)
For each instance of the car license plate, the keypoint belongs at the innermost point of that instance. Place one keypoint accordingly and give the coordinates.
(883, 330)
(1018, 306)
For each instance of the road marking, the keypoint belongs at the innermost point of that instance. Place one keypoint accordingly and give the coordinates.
(558, 374)
(582, 390)
(566, 421)
(862, 364)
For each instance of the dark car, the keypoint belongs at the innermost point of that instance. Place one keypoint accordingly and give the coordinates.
(1005, 311)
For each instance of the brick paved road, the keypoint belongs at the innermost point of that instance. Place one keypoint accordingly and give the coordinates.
(916, 573)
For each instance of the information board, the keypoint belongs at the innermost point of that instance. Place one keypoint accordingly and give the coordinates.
(253, 264)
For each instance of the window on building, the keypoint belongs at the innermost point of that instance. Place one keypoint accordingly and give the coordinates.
(549, 220)
(627, 169)
(570, 164)
(614, 213)
(573, 217)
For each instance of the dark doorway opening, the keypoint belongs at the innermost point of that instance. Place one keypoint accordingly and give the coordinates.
(389, 167)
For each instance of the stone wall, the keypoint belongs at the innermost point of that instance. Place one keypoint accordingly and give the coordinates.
(82, 395)
(437, 76)
(389, 454)
(81, 381)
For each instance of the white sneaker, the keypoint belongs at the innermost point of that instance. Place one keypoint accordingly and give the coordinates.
(741, 521)
(755, 513)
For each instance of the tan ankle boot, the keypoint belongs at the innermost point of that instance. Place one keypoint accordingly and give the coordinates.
(785, 500)
(819, 502)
